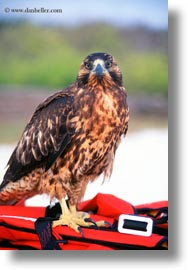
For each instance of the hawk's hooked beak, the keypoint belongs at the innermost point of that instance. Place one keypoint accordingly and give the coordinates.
(98, 67)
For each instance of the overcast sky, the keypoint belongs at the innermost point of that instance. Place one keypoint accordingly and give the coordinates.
(152, 13)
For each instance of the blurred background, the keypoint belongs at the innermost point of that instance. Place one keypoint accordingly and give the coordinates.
(42, 44)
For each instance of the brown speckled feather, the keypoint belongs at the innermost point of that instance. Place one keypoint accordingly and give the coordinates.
(72, 137)
(44, 138)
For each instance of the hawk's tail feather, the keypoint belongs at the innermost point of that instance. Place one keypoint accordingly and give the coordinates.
(12, 201)
(8, 195)
(9, 202)
(6, 198)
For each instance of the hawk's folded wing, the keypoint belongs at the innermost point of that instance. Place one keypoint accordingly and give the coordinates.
(45, 137)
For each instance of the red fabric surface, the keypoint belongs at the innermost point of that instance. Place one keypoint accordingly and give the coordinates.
(20, 232)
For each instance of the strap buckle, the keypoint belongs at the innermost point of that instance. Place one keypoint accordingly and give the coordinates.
(135, 225)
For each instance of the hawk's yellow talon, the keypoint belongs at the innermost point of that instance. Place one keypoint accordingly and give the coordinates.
(75, 220)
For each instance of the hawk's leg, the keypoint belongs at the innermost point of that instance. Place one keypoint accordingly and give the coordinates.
(75, 219)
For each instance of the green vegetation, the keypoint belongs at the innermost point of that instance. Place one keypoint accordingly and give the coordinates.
(11, 131)
(50, 57)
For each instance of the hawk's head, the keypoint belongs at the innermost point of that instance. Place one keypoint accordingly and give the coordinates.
(99, 68)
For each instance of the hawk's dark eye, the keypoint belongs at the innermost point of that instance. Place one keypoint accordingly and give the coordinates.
(108, 63)
(88, 65)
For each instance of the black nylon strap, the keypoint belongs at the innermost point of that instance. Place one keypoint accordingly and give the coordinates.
(43, 227)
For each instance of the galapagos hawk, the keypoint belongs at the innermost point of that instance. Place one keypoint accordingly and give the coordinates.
(70, 140)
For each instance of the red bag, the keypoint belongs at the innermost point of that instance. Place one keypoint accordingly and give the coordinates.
(30, 227)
